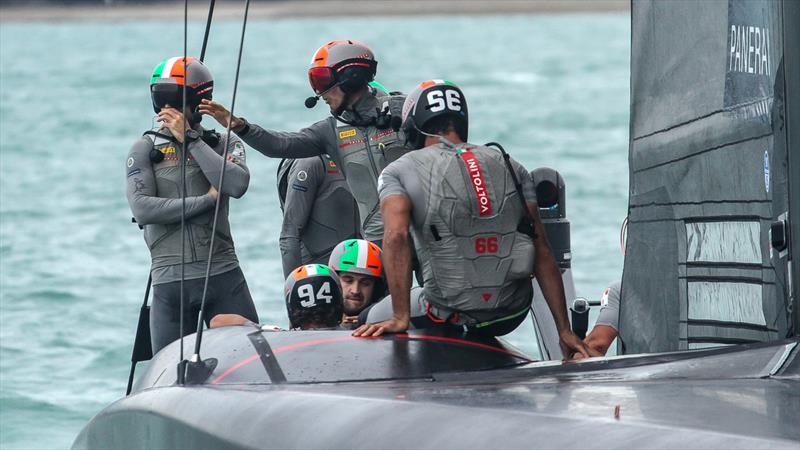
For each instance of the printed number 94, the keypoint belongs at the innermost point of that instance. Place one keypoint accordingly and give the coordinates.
(486, 245)
(309, 300)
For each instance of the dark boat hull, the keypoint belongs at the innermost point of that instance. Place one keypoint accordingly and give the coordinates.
(743, 397)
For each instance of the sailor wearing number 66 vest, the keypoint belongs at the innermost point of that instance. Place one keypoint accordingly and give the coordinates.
(469, 228)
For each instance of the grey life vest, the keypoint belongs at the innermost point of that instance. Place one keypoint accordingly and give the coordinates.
(164, 240)
(473, 258)
(365, 151)
(333, 218)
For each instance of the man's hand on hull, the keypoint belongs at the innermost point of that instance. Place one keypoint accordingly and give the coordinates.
(174, 120)
(572, 347)
(392, 325)
(220, 113)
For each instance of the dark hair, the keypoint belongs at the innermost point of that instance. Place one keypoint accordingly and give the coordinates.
(446, 123)
(327, 318)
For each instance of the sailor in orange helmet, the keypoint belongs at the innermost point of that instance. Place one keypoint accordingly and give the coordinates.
(358, 135)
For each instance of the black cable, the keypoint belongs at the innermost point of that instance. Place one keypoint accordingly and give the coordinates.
(518, 187)
(181, 371)
(199, 337)
(208, 28)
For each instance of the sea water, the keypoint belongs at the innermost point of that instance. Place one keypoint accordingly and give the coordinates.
(74, 97)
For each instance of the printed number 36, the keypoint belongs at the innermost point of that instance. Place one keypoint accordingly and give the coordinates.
(309, 300)
(437, 100)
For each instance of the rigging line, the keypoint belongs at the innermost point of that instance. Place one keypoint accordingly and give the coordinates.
(183, 183)
(199, 337)
(208, 28)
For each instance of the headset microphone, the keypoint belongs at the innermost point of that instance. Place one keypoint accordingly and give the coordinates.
(312, 101)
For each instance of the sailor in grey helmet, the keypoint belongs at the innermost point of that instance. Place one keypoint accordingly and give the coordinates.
(358, 135)
(318, 210)
(153, 170)
(464, 211)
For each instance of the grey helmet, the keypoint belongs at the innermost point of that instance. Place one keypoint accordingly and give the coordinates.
(347, 63)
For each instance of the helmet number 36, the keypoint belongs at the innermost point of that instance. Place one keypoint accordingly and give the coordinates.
(309, 299)
(439, 100)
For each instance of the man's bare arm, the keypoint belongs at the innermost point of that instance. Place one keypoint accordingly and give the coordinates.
(600, 339)
(549, 277)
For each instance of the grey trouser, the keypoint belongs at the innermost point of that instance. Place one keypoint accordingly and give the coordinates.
(227, 294)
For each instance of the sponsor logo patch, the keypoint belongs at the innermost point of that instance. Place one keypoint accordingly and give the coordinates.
(302, 175)
(130, 162)
(381, 134)
(347, 133)
(478, 183)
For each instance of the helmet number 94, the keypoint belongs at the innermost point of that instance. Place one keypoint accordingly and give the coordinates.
(486, 245)
(309, 300)
(439, 100)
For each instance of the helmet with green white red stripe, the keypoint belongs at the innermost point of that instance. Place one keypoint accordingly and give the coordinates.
(431, 106)
(357, 256)
(169, 77)
(313, 297)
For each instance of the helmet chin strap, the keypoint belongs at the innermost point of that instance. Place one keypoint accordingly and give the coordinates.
(442, 139)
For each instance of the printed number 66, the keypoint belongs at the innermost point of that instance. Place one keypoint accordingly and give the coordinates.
(486, 245)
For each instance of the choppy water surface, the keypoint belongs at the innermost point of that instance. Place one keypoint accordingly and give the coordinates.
(74, 97)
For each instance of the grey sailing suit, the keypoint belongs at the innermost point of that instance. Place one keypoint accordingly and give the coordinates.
(464, 217)
(609, 306)
(361, 151)
(318, 211)
(153, 192)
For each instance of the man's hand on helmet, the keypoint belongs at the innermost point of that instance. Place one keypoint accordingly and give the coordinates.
(174, 120)
(220, 113)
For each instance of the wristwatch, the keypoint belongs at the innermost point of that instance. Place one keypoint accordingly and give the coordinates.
(192, 135)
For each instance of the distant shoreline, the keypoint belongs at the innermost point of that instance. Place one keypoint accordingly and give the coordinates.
(305, 8)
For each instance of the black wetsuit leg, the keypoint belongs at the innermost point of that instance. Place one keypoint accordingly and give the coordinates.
(227, 293)
(230, 295)
(165, 311)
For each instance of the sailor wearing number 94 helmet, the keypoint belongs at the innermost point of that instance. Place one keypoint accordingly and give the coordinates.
(472, 233)
(313, 296)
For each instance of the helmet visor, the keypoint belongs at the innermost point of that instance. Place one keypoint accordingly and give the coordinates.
(167, 94)
(321, 79)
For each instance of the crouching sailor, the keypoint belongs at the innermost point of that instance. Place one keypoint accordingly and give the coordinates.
(313, 301)
(154, 194)
(359, 265)
(465, 215)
